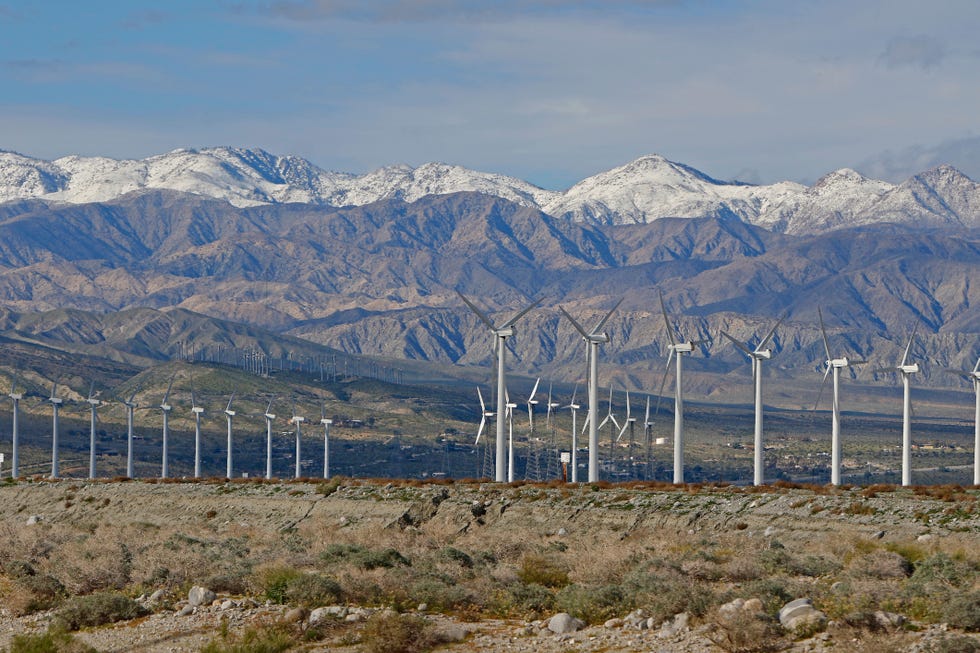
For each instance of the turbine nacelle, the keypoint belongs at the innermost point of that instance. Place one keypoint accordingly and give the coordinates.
(197, 410)
(909, 369)
(270, 416)
(682, 347)
(504, 333)
(326, 421)
(762, 354)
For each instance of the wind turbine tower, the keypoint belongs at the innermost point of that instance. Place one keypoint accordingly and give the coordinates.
(677, 351)
(757, 355)
(94, 404)
(834, 365)
(593, 339)
(574, 408)
(906, 369)
(630, 424)
(130, 407)
(500, 335)
(298, 420)
(197, 410)
(974, 378)
(269, 417)
(55, 404)
(229, 413)
(166, 408)
(15, 443)
(510, 406)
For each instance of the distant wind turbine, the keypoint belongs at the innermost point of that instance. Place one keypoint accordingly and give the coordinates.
(15, 444)
(297, 420)
(130, 407)
(974, 378)
(55, 404)
(677, 351)
(906, 369)
(94, 404)
(166, 408)
(593, 339)
(500, 335)
(629, 423)
(484, 414)
(572, 406)
(269, 417)
(757, 355)
(197, 410)
(326, 421)
(229, 414)
(834, 365)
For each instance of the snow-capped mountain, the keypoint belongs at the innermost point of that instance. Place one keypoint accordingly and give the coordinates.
(641, 191)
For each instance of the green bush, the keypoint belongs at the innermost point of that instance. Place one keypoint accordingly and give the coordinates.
(538, 569)
(96, 610)
(51, 641)
(390, 632)
(36, 593)
(461, 558)
(530, 598)
(954, 644)
(313, 590)
(273, 582)
(963, 611)
(363, 557)
(272, 638)
(594, 604)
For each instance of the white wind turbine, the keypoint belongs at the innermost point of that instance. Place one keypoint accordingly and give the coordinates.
(15, 443)
(757, 355)
(531, 403)
(614, 428)
(130, 407)
(572, 406)
(500, 335)
(629, 423)
(906, 369)
(94, 404)
(55, 404)
(648, 438)
(484, 414)
(297, 420)
(197, 410)
(326, 421)
(229, 414)
(593, 339)
(166, 408)
(834, 365)
(509, 406)
(974, 378)
(677, 351)
(269, 417)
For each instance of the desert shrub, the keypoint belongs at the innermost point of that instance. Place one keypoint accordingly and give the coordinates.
(954, 644)
(50, 641)
(746, 633)
(461, 558)
(779, 560)
(529, 599)
(440, 594)
(273, 581)
(230, 582)
(363, 557)
(312, 590)
(963, 611)
(18, 569)
(664, 591)
(336, 553)
(537, 569)
(96, 610)
(326, 488)
(882, 565)
(940, 568)
(262, 638)
(774, 592)
(593, 604)
(390, 632)
(30, 594)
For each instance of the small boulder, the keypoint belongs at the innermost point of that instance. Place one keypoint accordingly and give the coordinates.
(200, 596)
(613, 623)
(678, 625)
(294, 615)
(187, 610)
(752, 606)
(563, 623)
(799, 614)
(34, 519)
(157, 596)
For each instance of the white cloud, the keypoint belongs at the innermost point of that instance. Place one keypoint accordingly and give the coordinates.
(916, 51)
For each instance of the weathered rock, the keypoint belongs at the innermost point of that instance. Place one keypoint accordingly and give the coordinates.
(752, 606)
(227, 604)
(889, 619)
(157, 596)
(801, 614)
(294, 615)
(615, 622)
(187, 610)
(678, 625)
(200, 596)
(563, 623)
(34, 519)
(731, 608)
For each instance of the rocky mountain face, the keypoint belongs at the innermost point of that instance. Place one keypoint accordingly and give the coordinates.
(380, 279)
(642, 191)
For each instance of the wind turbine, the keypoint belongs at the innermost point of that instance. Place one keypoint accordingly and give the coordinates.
(757, 355)
(130, 407)
(974, 378)
(55, 404)
(629, 423)
(326, 440)
(500, 335)
(614, 427)
(532, 467)
(593, 339)
(166, 408)
(269, 417)
(835, 365)
(297, 420)
(229, 413)
(484, 414)
(648, 436)
(574, 408)
(15, 444)
(677, 351)
(550, 421)
(94, 404)
(509, 406)
(906, 369)
(197, 410)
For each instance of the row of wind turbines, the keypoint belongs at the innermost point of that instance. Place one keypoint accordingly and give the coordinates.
(679, 347)
(165, 407)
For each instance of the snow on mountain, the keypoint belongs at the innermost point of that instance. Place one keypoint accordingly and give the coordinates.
(641, 191)
(653, 187)
(22, 177)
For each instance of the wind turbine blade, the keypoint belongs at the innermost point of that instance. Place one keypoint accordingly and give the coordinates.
(772, 332)
(822, 385)
(908, 347)
(588, 420)
(738, 344)
(614, 421)
(132, 396)
(627, 405)
(602, 322)
(230, 400)
(976, 368)
(646, 420)
(513, 320)
(91, 389)
(169, 388)
(534, 390)
(480, 314)
(269, 407)
(603, 422)
(574, 393)
(622, 431)
(663, 382)
(483, 423)
(670, 329)
(823, 331)
(483, 406)
(578, 327)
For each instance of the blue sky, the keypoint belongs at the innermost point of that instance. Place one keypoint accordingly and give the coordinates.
(547, 90)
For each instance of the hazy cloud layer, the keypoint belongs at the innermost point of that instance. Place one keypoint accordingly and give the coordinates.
(918, 51)
(896, 166)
